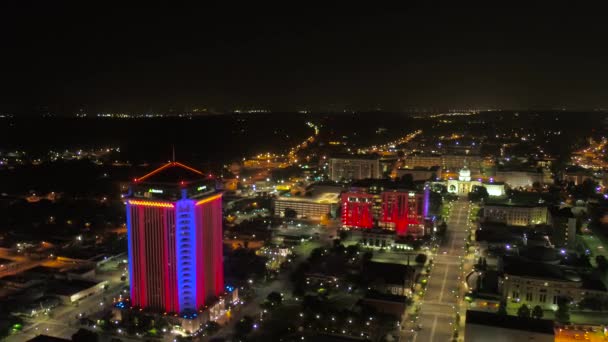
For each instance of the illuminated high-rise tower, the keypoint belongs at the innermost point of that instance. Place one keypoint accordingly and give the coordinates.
(174, 225)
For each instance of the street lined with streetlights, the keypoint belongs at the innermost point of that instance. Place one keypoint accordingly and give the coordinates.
(438, 309)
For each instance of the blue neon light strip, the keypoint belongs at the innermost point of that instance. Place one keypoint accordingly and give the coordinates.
(130, 248)
(185, 236)
(427, 193)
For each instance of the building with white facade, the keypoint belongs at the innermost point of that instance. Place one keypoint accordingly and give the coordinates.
(315, 208)
(535, 283)
(445, 161)
(513, 214)
(464, 184)
(523, 179)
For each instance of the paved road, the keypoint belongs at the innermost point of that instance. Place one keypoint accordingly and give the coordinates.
(438, 307)
(64, 323)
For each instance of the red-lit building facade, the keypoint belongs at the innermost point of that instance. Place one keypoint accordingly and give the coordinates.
(399, 210)
(404, 212)
(357, 210)
(174, 227)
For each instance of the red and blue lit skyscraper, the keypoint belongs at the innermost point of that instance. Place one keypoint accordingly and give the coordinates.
(174, 227)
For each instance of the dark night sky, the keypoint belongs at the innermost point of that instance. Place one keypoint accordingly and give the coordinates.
(112, 58)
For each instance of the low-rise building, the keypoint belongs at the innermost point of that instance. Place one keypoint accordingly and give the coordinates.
(421, 173)
(516, 214)
(315, 207)
(536, 283)
(386, 303)
(85, 272)
(395, 279)
(375, 237)
(70, 291)
(217, 310)
(522, 179)
(47, 338)
(422, 160)
(21, 281)
(485, 326)
(250, 241)
(458, 161)
(577, 175)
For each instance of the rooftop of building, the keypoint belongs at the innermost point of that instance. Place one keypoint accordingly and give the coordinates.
(505, 169)
(421, 168)
(391, 273)
(19, 278)
(70, 287)
(540, 254)
(517, 266)
(541, 326)
(377, 231)
(489, 284)
(425, 154)
(499, 227)
(171, 173)
(321, 198)
(575, 169)
(452, 153)
(47, 338)
(517, 201)
(326, 183)
(384, 183)
(170, 180)
(372, 156)
(83, 253)
(565, 212)
(43, 270)
(326, 186)
(386, 297)
(82, 269)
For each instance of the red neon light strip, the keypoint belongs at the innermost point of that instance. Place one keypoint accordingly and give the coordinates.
(168, 289)
(134, 276)
(166, 166)
(152, 204)
(219, 249)
(153, 172)
(188, 168)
